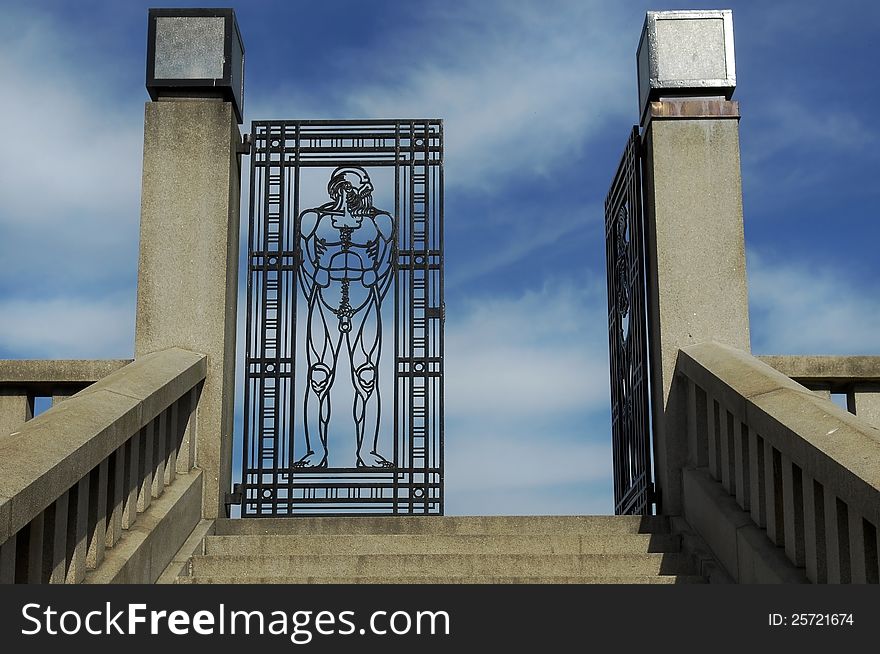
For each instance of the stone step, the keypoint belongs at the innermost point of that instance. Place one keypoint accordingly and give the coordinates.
(443, 565)
(652, 579)
(474, 525)
(373, 544)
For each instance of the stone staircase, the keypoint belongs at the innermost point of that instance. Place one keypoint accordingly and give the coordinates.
(491, 549)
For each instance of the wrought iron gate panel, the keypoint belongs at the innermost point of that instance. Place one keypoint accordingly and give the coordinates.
(321, 278)
(627, 337)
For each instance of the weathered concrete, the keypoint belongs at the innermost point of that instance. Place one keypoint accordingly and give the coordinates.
(194, 545)
(866, 404)
(446, 525)
(144, 552)
(16, 408)
(374, 544)
(444, 565)
(188, 264)
(696, 271)
(740, 546)
(58, 448)
(812, 467)
(439, 579)
(829, 444)
(430, 549)
(52, 372)
(834, 370)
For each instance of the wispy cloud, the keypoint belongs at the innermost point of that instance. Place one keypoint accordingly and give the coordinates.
(68, 327)
(517, 87)
(803, 308)
(70, 179)
(526, 402)
(540, 352)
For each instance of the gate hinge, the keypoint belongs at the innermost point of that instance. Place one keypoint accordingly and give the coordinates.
(234, 498)
(245, 146)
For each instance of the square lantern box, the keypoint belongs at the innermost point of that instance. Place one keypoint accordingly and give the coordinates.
(686, 54)
(195, 53)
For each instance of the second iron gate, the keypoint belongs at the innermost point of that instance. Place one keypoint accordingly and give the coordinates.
(628, 335)
(344, 342)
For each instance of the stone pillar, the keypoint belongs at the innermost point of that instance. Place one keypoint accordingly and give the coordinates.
(866, 403)
(696, 257)
(692, 189)
(188, 263)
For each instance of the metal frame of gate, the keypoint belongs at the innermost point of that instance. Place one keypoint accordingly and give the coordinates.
(627, 334)
(280, 152)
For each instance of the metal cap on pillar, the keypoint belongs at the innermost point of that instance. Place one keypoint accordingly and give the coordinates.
(195, 53)
(685, 54)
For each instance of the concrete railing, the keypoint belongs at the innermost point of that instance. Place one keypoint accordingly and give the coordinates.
(803, 471)
(856, 377)
(22, 381)
(78, 479)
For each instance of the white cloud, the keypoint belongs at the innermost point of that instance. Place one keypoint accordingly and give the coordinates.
(68, 328)
(70, 176)
(521, 87)
(527, 401)
(803, 308)
(538, 353)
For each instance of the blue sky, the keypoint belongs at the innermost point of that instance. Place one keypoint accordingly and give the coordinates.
(538, 98)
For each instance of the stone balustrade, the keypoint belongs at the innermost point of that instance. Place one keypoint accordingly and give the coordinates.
(79, 480)
(856, 377)
(22, 381)
(804, 472)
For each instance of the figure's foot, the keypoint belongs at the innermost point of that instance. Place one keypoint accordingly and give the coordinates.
(310, 461)
(373, 460)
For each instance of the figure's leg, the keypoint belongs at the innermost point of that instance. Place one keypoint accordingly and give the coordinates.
(322, 348)
(364, 346)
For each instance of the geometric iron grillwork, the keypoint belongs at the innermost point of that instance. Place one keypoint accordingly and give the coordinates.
(627, 335)
(344, 342)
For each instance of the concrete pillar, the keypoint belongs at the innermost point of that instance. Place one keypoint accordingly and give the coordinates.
(16, 408)
(188, 263)
(695, 254)
(866, 403)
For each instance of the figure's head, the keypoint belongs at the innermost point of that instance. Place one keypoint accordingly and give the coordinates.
(352, 184)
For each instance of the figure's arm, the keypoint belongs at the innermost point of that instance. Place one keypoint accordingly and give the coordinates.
(308, 224)
(384, 264)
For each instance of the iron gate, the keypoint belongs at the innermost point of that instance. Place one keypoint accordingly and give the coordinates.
(627, 334)
(343, 397)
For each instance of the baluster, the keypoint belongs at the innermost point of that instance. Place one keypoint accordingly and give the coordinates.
(172, 442)
(34, 534)
(872, 552)
(775, 511)
(757, 474)
(814, 531)
(857, 567)
(97, 515)
(726, 451)
(77, 531)
(741, 463)
(793, 512)
(712, 410)
(836, 539)
(115, 496)
(7, 561)
(188, 414)
(145, 492)
(132, 480)
(55, 552)
(160, 436)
